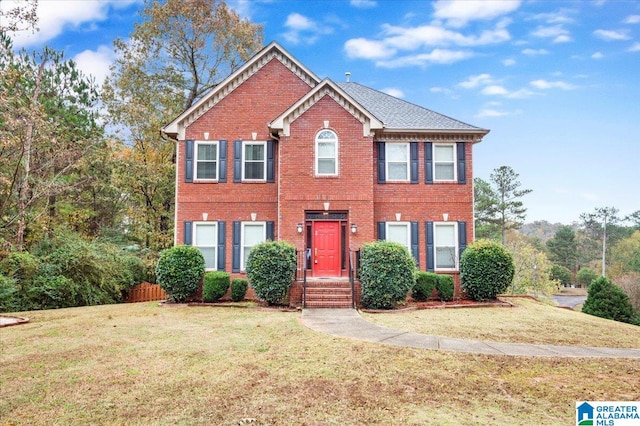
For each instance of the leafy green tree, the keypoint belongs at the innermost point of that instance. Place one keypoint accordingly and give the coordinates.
(606, 300)
(563, 248)
(561, 274)
(532, 268)
(596, 225)
(485, 210)
(625, 255)
(499, 203)
(586, 276)
(178, 52)
(19, 16)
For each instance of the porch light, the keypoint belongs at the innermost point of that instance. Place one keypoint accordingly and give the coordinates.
(299, 228)
(354, 228)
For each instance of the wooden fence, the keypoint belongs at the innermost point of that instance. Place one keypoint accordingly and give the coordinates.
(146, 292)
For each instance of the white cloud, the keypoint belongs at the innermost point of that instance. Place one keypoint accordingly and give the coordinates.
(495, 90)
(303, 30)
(635, 47)
(437, 56)
(458, 13)
(632, 19)
(367, 49)
(560, 17)
(544, 84)
(475, 81)
(610, 35)
(410, 38)
(393, 92)
(562, 39)
(597, 55)
(55, 16)
(535, 52)
(508, 62)
(95, 63)
(363, 4)
(488, 112)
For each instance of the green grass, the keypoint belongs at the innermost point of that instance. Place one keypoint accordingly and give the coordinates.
(141, 364)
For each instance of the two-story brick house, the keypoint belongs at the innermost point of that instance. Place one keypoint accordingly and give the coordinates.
(274, 152)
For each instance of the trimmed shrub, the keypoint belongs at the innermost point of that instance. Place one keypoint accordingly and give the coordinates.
(387, 273)
(179, 271)
(445, 287)
(270, 269)
(424, 285)
(607, 300)
(215, 285)
(239, 289)
(585, 276)
(486, 269)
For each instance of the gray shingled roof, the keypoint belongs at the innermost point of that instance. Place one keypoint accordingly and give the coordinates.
(397, 114)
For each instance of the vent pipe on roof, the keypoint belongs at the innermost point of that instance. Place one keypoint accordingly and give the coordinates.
(347, 75)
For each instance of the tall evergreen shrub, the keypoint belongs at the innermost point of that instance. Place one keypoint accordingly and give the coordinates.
(179, 271)
(486, 269)
(270, 269)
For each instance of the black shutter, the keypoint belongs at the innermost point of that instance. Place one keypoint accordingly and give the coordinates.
(222, 161)
(428, 162)
(415, 243)
(270, 161)
(237, 162)
(235, 259)
(430, 249)
(382, 175)
(188, 161)
(188, 233)
(270, 230)
(462, 237)
(382, 231)
(462, 174)
(222, 234)
(413, 155)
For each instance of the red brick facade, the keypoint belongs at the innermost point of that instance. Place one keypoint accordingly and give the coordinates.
(250, 105)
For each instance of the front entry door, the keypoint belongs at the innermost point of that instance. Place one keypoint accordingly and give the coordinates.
(326, 249)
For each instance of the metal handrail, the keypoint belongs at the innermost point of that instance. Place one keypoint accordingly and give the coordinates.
(352, 275)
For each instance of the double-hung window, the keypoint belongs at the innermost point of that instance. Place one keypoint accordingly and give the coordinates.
(326, 153)
(444, 162)
(446, 247)
(206, 164)
(252, 234)
(399, 232)
(254, 165)
(397, 163)
(205, 237)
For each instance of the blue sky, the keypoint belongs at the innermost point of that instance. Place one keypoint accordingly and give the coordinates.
(556, 82)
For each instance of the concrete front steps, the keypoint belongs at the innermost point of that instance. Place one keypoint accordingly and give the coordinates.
(328, 293)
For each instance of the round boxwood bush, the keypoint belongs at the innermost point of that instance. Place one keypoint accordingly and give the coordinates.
(387, 274)
(238, 289)
(607, 300)
(486, 269)
(270, 269)
(215, 285)
(445, 287)
(424, 285)
(179, 271)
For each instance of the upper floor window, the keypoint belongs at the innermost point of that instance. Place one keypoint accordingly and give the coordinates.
(254, 165)
(205, 237)
(252, 234)
(444, 162)
(397, 155)
(446, 247)
(206, 164)
(326, 153)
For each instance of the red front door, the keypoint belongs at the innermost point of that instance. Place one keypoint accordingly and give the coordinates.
(326, 249)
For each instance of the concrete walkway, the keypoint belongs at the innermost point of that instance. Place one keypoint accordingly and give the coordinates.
(348, 323)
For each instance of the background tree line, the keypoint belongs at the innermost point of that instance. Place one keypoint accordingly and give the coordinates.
(84, 169)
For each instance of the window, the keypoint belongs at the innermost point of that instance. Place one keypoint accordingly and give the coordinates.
(254, 166)
(444, 162)
(206, 164)
(252, 234)
(445, 245)
(326, 153)
(397, 155)
(399, 232)
(205, 237)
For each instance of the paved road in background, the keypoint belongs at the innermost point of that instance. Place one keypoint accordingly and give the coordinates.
(568, 301)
